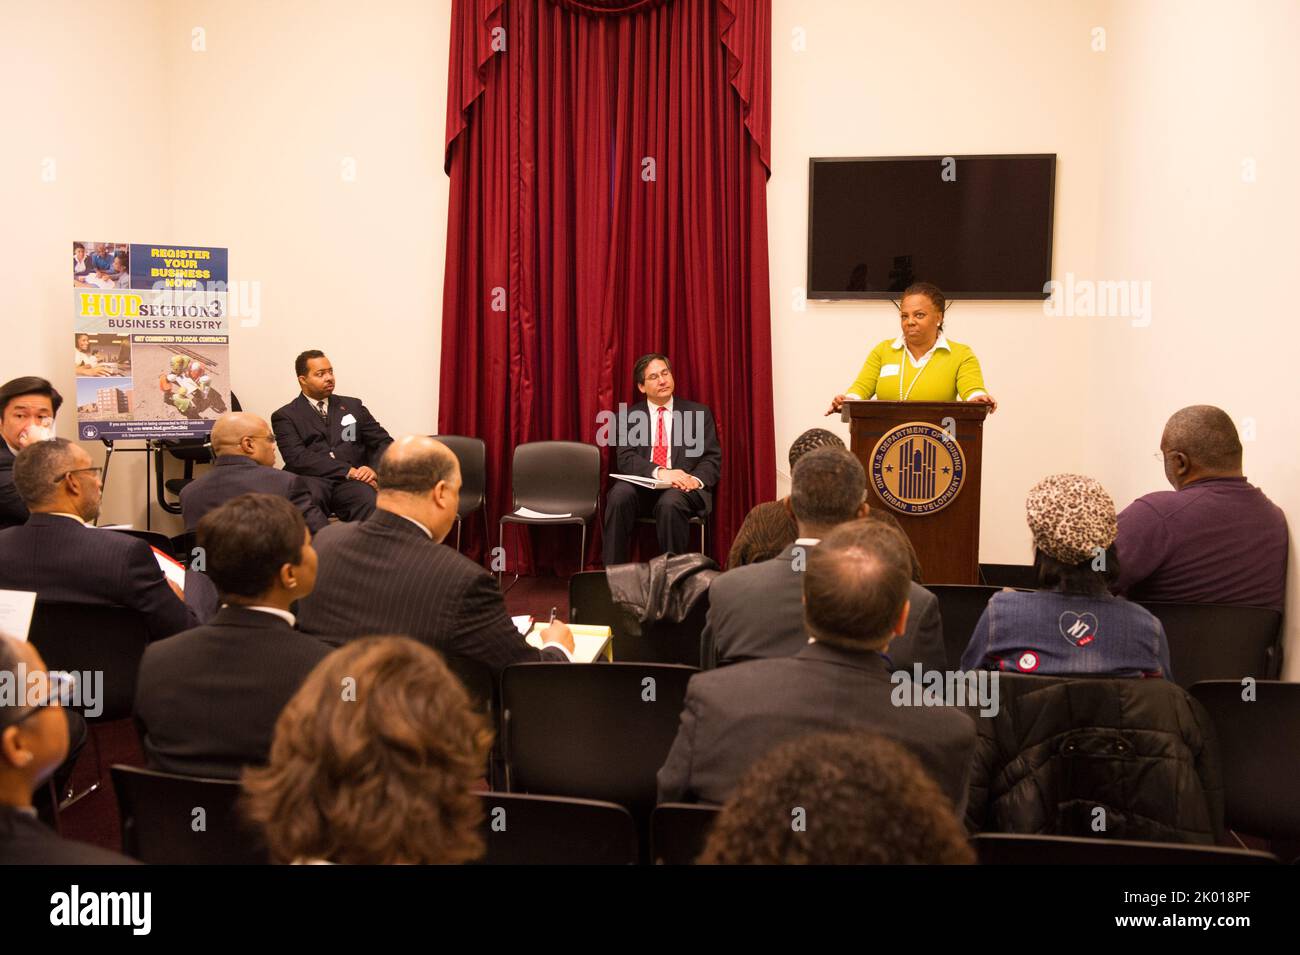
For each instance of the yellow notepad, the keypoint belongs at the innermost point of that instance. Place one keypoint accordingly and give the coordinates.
(589, 641)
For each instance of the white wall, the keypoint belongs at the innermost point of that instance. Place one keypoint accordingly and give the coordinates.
(1150, 135)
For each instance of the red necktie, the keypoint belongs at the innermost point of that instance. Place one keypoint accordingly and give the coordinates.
(660, 455)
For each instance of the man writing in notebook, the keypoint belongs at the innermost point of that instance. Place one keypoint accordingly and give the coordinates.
(671, 440)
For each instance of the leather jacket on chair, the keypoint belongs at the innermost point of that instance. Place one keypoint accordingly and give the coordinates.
(665, 589)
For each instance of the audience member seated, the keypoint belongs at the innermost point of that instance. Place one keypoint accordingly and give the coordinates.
(33, 744)
(1071, 624)
(374, 762)
(837, 799)
(58, 555)
(855, 602)
(1215, 538)
(391, 574)
(770, 528)
(243, 447)
(757, 610)
(207, 699)
(330, 441)
(27, 409)
(669, 439)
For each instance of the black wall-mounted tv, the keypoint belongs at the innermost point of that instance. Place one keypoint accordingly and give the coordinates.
(976, 226)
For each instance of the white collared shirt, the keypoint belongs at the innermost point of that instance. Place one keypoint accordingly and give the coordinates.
(284, 615)
(75, 517)
(313, 402)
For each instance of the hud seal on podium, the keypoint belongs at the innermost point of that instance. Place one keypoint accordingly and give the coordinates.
(917, 468)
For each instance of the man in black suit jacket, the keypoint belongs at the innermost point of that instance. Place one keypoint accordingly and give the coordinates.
(672, 440)
(390, 574)
(58, 555)
(244, 451)
(207, 699)
(33, 744)
(757, 610)
(27, 409)
(330, 441)
(855, 589)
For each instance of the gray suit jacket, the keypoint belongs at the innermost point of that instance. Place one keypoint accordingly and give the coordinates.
(735, 715)
(756, 611)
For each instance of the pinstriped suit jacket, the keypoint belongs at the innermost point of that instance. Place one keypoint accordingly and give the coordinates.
(62, 559)
(384, 575)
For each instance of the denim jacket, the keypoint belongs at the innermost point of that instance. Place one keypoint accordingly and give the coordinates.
(1056, 634)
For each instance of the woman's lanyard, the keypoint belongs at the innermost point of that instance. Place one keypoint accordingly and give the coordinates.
(902, 372)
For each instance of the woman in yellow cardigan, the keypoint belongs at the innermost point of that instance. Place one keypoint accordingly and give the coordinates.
(920, 364)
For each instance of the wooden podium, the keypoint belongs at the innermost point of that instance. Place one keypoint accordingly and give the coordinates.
(916, 469)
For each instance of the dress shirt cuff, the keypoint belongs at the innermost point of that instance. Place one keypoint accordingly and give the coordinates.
(561, 647)
(850, 396)
(975, 394)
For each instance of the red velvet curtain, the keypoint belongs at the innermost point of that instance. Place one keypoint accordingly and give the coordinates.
(608, 164)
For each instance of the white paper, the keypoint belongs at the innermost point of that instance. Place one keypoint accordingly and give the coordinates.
(16, 612)
(523, 623)
(586, 646)
(647, 482)
(529, 512)
(173, 571)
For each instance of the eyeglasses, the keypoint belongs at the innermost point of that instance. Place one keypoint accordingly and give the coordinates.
(98, 472)
(268, 437)
(657, 375)
(62, 692)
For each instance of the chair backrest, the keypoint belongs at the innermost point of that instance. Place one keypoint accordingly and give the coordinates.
(1219, 642)
(960, 606)
(552, 830)
(678, 831)
(152, 538)
(592, 730)
(81, 637)
(475, 676)
(557, 477)
(1258, 738)
(590, 601)
(1015, 849)
(472, 455)
(159, 814)
(183, 546)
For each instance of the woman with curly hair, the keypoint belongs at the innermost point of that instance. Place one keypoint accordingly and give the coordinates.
(373, 762)
(837, 799)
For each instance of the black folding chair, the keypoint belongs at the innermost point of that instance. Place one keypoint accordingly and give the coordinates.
(699, 520)
(960, 606)
(551, 830)
(591, 730)
(152, 538)
(1016, 849)
(482, 689)
(472, 455)
(183, 820)
(88, 638)
(554, 477)
(183, 545)
(1220, 642)
(590, 602)
(1258, 726)
(678, 831)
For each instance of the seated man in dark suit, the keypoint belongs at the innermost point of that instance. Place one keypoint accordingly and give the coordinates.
(855, 603)
(330, 441)
(207, 699)
(33, 744)
(757, 610)
(58, 555)
(27, 409)
(244, 451)
(668, 439)
(390, 574)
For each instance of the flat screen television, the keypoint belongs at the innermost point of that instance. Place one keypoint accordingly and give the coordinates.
(976, 226)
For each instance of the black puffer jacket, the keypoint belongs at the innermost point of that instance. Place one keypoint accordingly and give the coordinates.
(1142, 750)
(664, 589)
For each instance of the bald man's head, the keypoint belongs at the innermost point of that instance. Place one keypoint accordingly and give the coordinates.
(419, 478)
(239, 432)
(1199, 442)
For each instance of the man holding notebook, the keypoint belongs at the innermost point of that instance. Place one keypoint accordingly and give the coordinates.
(666, 463)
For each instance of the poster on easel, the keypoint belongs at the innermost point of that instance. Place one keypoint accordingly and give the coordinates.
(152, 339)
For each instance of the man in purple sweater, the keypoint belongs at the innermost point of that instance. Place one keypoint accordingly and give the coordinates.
(1215, 538)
